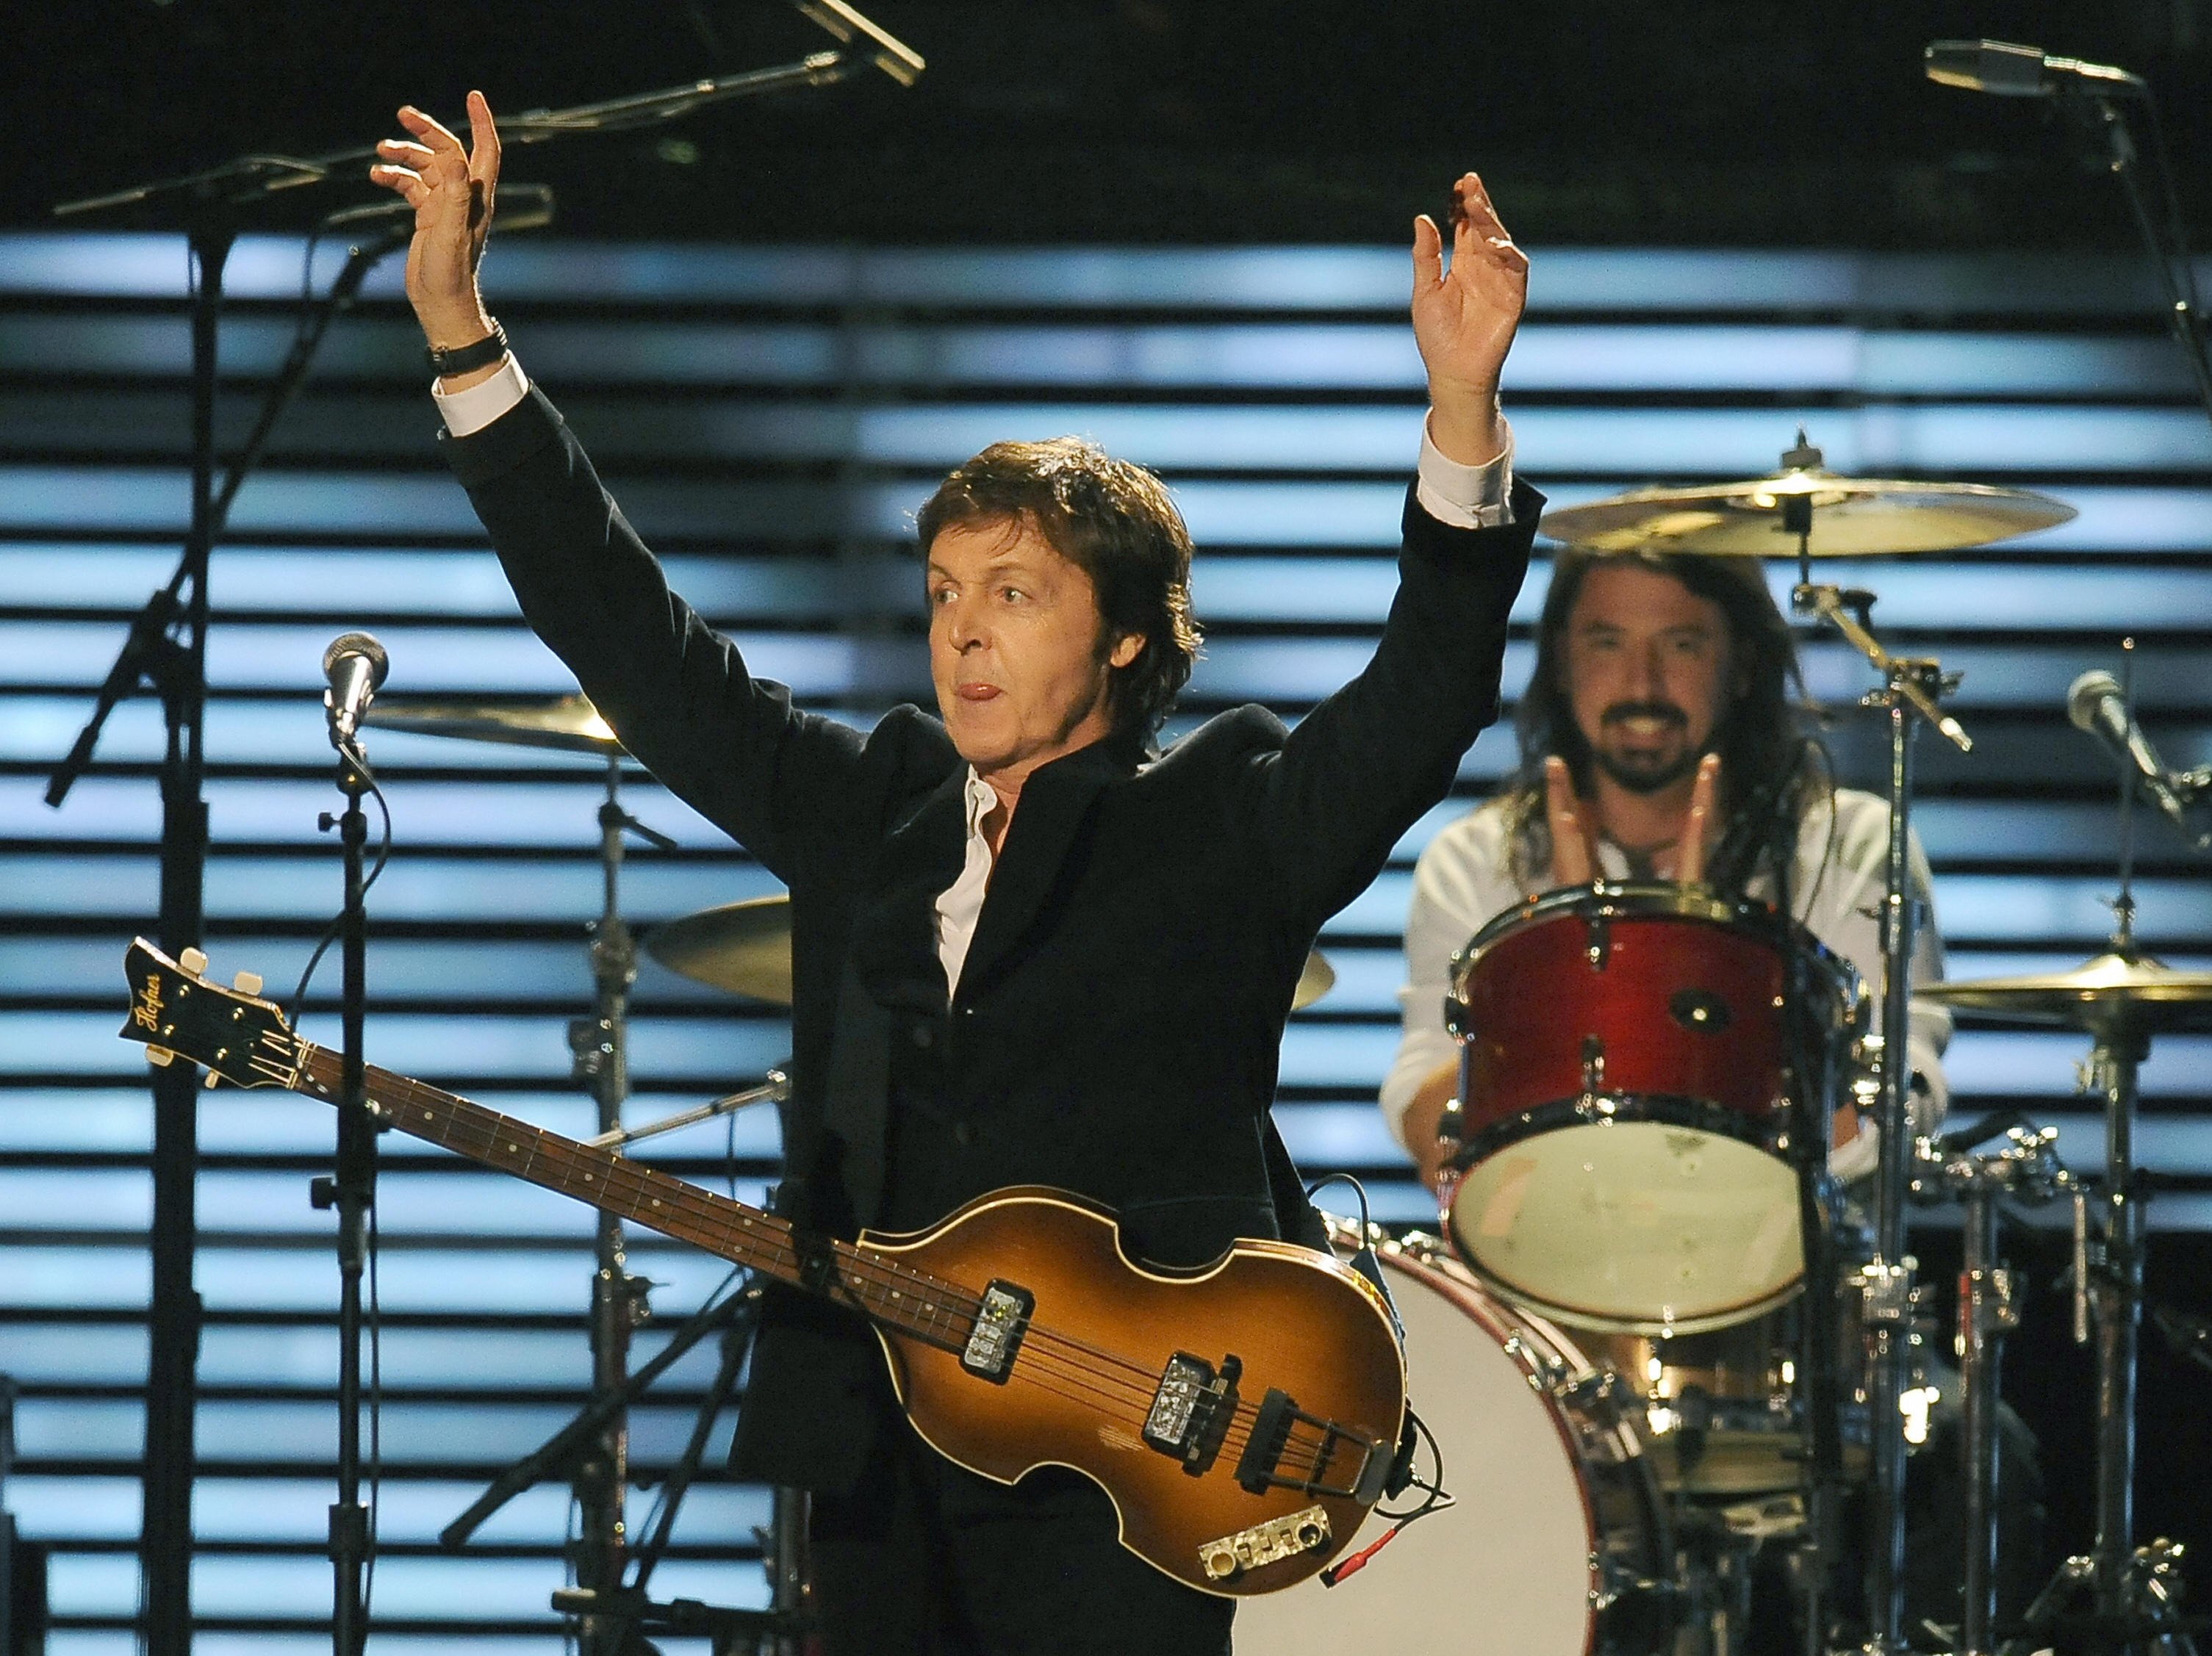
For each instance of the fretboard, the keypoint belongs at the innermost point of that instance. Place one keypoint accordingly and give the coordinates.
(864, 1279)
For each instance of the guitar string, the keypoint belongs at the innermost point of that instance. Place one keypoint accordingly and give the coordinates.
(1135, 1394)
(1136, 1387)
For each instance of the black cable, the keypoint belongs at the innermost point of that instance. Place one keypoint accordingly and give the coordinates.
(359, 760)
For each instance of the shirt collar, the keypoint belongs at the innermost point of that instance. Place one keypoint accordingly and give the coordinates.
(982, 799)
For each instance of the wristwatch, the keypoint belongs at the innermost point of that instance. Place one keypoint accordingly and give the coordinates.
(482, 355)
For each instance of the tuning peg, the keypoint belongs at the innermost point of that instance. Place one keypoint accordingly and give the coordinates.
(160, 1057)
(194, 961)
(208, 1080)
(247, 983)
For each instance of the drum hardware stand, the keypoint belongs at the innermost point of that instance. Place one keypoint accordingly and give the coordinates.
(1813, 1124)
(2027, 1168)
(601, 1048)
(1910, 685)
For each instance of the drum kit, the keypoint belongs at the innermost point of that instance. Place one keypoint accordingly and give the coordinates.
(1651, 1317)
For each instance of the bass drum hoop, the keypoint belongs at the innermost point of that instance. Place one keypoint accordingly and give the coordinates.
(1601, 1447)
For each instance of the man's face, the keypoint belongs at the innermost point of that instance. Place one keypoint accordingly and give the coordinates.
(1014, 648)
(1648, 671)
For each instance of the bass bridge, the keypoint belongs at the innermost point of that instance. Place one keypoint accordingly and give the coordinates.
(1323, 1458)
(1192, 1408)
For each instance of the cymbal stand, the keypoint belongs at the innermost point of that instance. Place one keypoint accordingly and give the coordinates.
(600, 1044)
(1910, 685)
(2028, 1169)
(2135, 1590)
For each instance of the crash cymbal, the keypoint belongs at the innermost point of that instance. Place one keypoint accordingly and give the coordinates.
(567, 722)
(745, 948)
(1852, 517)
(2113, 990)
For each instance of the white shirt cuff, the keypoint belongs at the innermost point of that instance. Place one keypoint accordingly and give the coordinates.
(467, 412)
(1465, 497)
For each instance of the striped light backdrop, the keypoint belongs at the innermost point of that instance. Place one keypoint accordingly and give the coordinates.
(769, 417)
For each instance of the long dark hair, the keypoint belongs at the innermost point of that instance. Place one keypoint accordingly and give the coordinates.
(1772, 763)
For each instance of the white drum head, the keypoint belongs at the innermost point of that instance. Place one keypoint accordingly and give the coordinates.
(1506, 1569)
(1635, 1225)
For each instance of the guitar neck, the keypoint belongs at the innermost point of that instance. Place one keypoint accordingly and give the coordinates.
(859, 1277)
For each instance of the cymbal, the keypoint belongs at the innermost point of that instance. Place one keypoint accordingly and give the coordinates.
(745, 948)
(567, 722)
(1852, 517)
(2138, 994)
(1317, 980)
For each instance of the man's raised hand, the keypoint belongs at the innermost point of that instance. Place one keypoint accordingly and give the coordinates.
(451, 190)
(1464, 319)
(1701, 821)
(1574, 847)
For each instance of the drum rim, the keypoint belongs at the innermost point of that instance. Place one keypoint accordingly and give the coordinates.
(1645, 900)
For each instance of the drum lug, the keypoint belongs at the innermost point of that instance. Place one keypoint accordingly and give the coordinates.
(1599, 944)
(1593, 1065)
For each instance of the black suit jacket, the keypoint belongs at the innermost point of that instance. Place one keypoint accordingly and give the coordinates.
(1119, 1014)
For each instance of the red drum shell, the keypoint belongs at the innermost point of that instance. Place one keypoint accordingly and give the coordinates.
(1682, 993)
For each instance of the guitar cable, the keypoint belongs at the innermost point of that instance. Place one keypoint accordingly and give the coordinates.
(1403, 1477)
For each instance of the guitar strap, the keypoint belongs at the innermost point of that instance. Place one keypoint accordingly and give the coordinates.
(1296, 1219)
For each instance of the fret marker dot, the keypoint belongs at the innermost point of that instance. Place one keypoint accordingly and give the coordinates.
(656, 1201)
(588, 1178)
(514, 1150)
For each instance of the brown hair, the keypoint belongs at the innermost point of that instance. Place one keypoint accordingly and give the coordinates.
(1114, 521)
(1769, 757)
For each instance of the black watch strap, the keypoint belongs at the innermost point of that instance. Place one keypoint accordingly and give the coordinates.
(469, 358)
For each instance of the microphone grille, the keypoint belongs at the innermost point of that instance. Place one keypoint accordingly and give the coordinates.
(2085, 693)
(365, 647)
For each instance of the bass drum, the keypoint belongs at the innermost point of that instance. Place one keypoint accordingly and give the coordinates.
(1557, 1545)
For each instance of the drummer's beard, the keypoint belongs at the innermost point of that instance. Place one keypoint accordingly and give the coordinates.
(1641, 772)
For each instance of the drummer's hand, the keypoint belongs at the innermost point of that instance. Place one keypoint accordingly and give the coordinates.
(1703, 817)
(1464, 320)
(450, 191)
(1574, 848)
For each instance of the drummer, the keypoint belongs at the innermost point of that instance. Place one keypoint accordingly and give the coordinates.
(1661, 740)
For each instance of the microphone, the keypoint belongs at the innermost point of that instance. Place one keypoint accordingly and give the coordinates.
(884, 50)
(2016, 72)
(355, 665)
(520, 206)
(2095, 704)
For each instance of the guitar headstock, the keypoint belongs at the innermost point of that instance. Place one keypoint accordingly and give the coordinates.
(233, 1032)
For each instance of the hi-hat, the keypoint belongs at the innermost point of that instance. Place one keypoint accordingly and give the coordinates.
(567, 722)
(745, 949)
(1851, 516)
(2110, 991)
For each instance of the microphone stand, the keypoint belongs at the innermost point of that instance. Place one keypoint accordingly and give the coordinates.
(210, 206)
(353, 1193)
(2101, 119)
